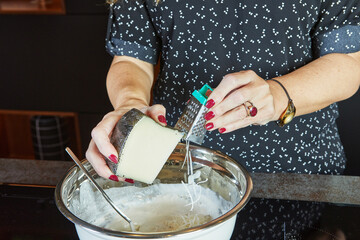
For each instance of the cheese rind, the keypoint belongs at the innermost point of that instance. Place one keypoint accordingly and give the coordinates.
(143, 146)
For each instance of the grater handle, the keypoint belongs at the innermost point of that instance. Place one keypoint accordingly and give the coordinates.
(201, 95)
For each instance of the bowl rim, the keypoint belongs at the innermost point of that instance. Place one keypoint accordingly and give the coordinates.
(232, 212)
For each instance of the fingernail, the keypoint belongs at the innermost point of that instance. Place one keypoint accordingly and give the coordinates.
(113, 158)
(162, 119)
(209, 115)
(129, 180)
(222, 130)
(210, 103)
(209, 126)
(114, 178)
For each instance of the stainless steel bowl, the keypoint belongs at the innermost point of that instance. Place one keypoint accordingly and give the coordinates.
(224, 176)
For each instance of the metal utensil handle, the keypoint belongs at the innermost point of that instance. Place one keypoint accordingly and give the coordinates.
(77, 161)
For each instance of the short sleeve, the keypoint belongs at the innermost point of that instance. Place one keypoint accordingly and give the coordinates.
(131, 32)
(338, 27)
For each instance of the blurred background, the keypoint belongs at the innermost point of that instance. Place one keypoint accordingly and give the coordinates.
(52, 62)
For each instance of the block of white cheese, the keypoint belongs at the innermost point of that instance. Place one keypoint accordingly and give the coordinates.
(143, 146)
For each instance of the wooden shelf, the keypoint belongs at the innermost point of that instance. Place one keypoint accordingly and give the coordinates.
(16, 140)
(32, 7)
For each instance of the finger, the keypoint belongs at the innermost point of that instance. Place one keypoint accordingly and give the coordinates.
(255, 91)
(230, 83)
(232, 101)
(233, 124)
(158, 113)
(237, 125)
(237, 114)
(97, 161)
(101, 137)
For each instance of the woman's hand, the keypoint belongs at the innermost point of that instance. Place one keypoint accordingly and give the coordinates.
(230, 103)
(100, 145)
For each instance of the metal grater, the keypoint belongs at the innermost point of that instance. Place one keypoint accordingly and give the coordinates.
(192, 120)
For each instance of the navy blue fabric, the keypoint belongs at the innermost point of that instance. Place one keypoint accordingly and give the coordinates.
(201, 41)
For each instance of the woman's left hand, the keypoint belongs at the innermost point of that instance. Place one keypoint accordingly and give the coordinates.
(241, 99)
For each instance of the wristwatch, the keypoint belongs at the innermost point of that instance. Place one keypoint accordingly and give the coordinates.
(290, 110)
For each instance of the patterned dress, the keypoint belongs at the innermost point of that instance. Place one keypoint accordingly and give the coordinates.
(200, 41)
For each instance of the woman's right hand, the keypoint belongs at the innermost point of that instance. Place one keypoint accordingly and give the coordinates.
(100, 146)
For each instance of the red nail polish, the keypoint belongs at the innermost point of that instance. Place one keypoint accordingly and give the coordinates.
(222, 130)
(210, 103)
(209, 115)
(114, 178)
(113, 158)
(162, 119)
(129, 180)
(209, 126)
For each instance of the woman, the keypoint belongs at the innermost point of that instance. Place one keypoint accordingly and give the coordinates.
(261, 57)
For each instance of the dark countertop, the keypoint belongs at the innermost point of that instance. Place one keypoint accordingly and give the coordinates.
(290, 186)
(28, 210)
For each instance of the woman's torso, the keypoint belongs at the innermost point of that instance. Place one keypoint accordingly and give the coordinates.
(203, 40)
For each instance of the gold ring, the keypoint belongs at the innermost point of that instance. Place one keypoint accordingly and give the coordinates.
(251, 110)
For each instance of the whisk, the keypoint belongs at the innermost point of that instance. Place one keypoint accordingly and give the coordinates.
(92, 180)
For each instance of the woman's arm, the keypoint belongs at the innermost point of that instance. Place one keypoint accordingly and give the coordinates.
(129, 83)
(329, 79)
